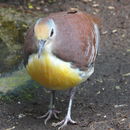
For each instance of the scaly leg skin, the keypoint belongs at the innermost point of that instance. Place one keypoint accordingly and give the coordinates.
(67, 119)
(51, 112)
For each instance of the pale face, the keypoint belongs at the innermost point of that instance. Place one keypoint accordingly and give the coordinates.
(44, 33)
(44, 30)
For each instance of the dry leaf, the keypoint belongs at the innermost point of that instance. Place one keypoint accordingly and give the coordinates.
(30, 6)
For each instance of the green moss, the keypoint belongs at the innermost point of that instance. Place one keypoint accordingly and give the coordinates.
(13, 80)
(17, 85)
(13, 26)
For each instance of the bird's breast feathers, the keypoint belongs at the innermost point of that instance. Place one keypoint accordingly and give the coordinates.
(53, 73)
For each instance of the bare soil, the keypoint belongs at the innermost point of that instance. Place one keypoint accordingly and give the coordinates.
(102, 102)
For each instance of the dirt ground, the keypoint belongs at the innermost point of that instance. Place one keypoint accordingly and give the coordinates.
(102, 102)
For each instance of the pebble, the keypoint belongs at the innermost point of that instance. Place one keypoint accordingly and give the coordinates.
(10, 128)
(105, 32)
(21, 116)
(95, 5)
(114, 31)
(111, 7)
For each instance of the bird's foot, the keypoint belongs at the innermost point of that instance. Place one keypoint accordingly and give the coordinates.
(51, 113)
(64, 122)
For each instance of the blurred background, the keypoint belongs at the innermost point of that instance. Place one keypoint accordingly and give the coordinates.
(101, 103)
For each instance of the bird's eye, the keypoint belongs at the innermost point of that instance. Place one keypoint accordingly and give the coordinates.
(52, 32)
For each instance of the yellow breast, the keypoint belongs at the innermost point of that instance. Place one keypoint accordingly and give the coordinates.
(52, 72)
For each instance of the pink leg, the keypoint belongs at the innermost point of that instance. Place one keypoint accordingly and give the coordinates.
(67, 118)
(51, 112)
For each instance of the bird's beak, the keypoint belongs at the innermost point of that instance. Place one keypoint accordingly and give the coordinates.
(40, 47)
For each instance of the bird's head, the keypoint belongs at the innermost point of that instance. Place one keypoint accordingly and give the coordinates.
(44, 32)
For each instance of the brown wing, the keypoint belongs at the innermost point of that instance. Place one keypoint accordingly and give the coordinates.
(76, 38)
(29, 44)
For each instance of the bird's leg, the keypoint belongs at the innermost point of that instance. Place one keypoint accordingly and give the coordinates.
(67, 118)
(51, 112)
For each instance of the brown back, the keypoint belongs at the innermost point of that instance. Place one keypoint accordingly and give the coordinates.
(75, 41)
(75, 38)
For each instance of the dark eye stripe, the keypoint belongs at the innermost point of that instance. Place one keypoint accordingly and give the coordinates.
(52, 32)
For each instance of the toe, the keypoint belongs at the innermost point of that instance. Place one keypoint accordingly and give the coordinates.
(72, 121)
(62, 126)
(49, 115)
(58, 123)
(55, 115)
(48, 118)
(64, 122)
(43, 116)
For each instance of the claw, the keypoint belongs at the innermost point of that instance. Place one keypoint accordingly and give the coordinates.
(67, 119)
(64, 122)
(49, 115)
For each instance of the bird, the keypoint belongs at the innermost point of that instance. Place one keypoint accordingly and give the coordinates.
(59, 53)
